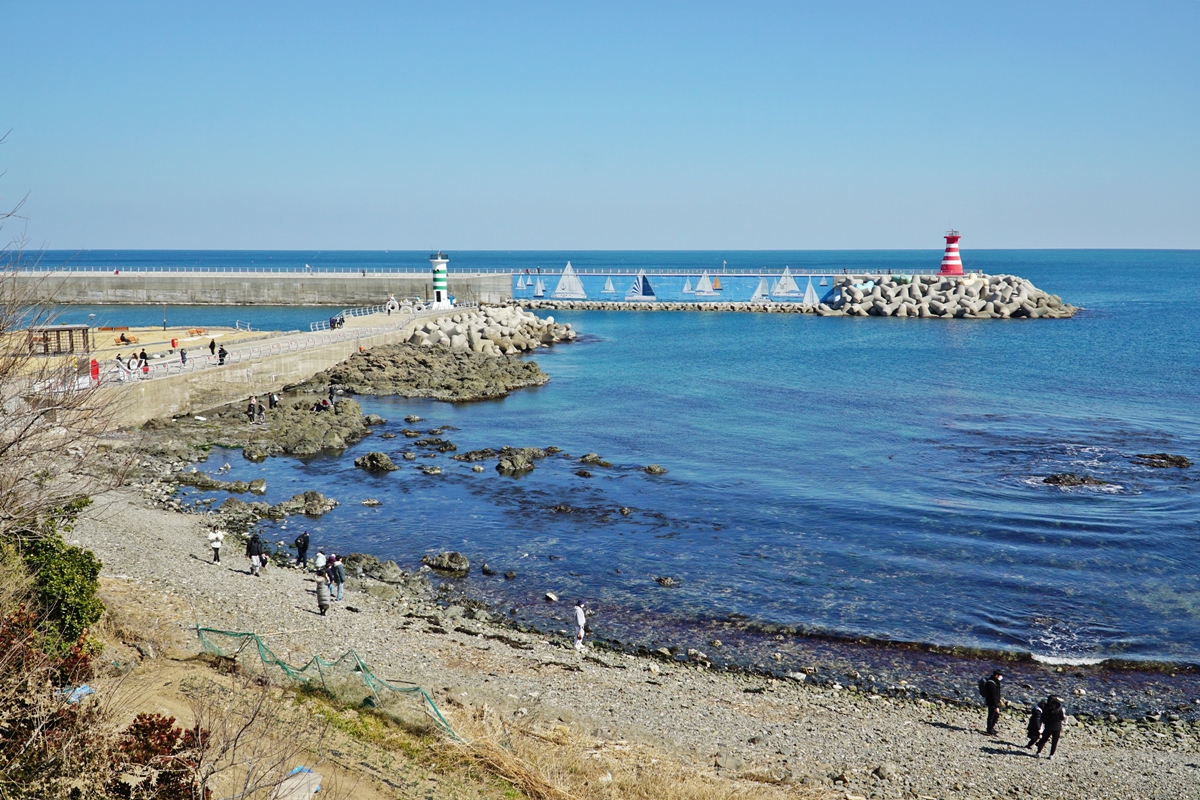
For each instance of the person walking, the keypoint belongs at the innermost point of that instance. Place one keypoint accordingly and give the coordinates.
(319, 560)
(183, 356)
(212, 346)
(337, 574)
(302, 550)
(254, 551)
(1034, 728)
(580, 624)
(222, 353)
(322, 592)
(262, 414)
(215, 540)
(1053, 717)
(990, 688)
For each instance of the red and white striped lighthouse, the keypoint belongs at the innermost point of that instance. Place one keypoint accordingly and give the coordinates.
(951, 262)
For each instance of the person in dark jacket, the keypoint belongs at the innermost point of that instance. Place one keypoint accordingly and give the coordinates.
(337, 575)
(990, 689)
(212, 347)
(254, 551)
(222, 353)
(1034, 728)
(1053, 717)
(302, 550)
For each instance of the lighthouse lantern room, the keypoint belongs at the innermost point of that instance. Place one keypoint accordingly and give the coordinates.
(951, 261)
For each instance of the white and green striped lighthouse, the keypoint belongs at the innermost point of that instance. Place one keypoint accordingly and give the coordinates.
(440, 260)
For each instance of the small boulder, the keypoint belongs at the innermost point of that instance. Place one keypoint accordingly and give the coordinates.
(665, 580)
(450, 562)
(486, 570)
(371, 502)
(410, 456)
(655, 469)
(375, 462)
(430, 470)
(476, 468)
(551, 597)
(1071, 479)
(374, 419)
(1162, 460)
(258, 486)
(583, 473)
(412, 418)
(518, 460)
(510, 575)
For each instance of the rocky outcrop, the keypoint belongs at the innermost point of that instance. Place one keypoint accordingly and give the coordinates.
(929, 296)
(1071, 479)
(375, 462)
(655, 469)
(518, 460)
(451, 562)
(1162, 460)
(311, 504)
(476, 455)
(409, 370)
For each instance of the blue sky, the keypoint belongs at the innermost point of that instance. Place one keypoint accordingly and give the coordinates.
(602, 126)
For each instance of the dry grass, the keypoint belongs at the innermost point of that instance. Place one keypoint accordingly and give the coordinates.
(555, 763)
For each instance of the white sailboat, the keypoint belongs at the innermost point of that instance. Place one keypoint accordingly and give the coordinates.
(704, 287)
(540, 289)
(810, 295)
(641, 291)
(786, 285)
(520, 282)
(608, 287)
(762, 293)
(687, 286)
(823, 281)
(569, 286)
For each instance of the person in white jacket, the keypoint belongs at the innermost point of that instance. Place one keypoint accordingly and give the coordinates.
(215, 539)
(580, 624)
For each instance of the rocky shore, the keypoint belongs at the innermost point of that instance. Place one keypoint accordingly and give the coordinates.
(974, 296)
(812, 730)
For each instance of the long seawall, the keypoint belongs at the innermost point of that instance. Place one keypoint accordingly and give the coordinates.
(252, 288)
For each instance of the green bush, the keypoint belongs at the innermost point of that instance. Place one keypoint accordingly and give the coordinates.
(66, 578)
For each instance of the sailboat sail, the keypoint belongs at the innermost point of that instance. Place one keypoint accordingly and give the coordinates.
(761, 294)
(704, 286)
(687, 286)
(540, 289)
(608, 287)
(786, 285)
(520, 282)
(823, 281)
(641, 289)
(569, 286)
(716, 283)
(810, 295)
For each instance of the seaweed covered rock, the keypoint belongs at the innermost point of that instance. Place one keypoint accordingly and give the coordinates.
(516, 460)
(375, 462)
(1071, 479)
(451, 562)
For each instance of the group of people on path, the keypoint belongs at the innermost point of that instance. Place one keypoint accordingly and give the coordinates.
(330, 572)
(1046, 719)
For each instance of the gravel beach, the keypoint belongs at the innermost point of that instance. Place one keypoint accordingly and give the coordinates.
(764, 729)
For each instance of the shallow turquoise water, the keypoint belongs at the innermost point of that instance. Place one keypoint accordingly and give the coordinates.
(859, 477)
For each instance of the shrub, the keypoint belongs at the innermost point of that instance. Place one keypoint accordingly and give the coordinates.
(66, 578)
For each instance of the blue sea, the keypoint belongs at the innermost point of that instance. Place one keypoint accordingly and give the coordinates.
(848, 478)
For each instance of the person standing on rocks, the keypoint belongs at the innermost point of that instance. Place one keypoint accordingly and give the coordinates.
(337, 575)
(251, 408)
(319, 561)
(262, 414)
(580, 624)
(322, 592)
(302, 550)
(1053, 717)
(254, 551)
(990, 689)
(215, 540)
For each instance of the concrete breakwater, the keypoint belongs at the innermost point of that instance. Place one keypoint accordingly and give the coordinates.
(494, 330)
(945, 297)
(251, 288)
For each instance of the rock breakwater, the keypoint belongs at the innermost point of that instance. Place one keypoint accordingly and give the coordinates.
(493, 330)
(973, 296)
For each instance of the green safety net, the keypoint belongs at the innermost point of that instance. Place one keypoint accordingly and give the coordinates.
(346, 678)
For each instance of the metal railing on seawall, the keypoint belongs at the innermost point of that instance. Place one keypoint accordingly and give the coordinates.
(468, 273)
(116, 374)
(407, 306)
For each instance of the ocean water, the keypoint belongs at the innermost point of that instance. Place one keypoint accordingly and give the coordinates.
(877, 478)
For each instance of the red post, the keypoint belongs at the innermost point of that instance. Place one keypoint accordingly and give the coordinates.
(95, 365)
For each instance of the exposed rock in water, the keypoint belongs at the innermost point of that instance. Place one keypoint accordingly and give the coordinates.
(665, 580)
(311, 504)
(450, 562)
(510, 575)
(486, 570)
(552, 450)
(258, 486)
(1071, 479)
(1162, 460)
(516, 460)
(371, 502)
(594, 460)
(388, 435)
(410, 433)
(655, 469)
(476, 455)
(412, 418)
(375, 462)
(441, 445)
(431, 470)
(372, 567)
(374, 419)
(583, 473)
(551, 597)
(408, 370)
(410, 456)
